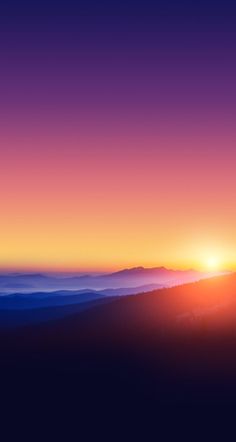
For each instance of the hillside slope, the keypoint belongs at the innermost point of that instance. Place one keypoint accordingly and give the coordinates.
(173, 345)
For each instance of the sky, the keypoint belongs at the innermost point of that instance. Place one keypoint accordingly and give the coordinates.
(117, 134)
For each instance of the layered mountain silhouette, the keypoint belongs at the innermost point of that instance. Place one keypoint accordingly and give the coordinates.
(35, 297)
(134, 277)
(211, 301)
(172, 345)
(31, 308)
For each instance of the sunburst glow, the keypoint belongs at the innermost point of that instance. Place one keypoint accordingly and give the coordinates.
(213, 262)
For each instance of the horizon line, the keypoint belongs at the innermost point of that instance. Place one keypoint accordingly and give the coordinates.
(39, 269)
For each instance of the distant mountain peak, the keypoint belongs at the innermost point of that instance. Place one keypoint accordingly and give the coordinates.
(138, 270)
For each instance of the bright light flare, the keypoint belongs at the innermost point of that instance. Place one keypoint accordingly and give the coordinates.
(213, 263)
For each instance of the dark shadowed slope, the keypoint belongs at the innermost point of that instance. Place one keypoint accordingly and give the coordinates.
(32, 308)
(207, 306)
(173, 345)
(212, 301)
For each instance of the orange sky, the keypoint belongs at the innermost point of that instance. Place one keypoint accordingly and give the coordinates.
(117, 136)
(108, 202)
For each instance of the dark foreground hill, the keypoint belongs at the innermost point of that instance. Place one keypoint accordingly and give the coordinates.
(138, 353)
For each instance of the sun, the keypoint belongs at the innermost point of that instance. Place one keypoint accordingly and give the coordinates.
(213, 263)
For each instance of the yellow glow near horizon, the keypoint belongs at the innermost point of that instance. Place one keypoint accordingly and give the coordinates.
(213, 262)
(87, 204)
